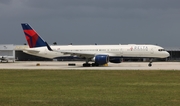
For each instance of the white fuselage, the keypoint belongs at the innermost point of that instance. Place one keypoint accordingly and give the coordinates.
(147, 51)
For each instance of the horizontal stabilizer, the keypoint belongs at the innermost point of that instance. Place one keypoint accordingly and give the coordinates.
(31, 51)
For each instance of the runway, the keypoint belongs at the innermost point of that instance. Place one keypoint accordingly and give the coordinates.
(111, 66)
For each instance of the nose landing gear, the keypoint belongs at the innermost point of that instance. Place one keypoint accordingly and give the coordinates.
(150, 63)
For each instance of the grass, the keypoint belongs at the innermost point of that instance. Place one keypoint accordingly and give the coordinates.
(89, 88)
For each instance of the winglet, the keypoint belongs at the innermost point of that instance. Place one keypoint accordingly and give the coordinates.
(32, 37)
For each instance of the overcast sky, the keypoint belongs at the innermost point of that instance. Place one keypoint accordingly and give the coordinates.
(93, 21)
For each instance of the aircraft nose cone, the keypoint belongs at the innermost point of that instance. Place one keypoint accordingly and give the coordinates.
(167, 54)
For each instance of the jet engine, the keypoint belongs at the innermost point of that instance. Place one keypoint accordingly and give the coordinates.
(101, 59)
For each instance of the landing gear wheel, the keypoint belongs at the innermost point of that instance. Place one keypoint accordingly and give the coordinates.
(94, 64)
(149, 64)
(86, 65)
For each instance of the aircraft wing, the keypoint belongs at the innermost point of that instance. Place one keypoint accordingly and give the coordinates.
(86, 54)
(81, 54)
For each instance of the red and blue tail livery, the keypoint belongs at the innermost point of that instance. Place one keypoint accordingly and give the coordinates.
(32, 37)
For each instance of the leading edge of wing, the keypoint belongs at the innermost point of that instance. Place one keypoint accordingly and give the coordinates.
(86, 53)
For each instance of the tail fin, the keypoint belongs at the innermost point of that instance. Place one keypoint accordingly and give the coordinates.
(32, 37)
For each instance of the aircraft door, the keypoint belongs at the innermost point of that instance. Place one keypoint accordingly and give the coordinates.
(121, 51)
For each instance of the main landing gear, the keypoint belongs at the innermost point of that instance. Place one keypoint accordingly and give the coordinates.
(150, 63)
(89, 65)
(86, 65)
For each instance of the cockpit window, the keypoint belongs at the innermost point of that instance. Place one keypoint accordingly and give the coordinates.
(161, 49)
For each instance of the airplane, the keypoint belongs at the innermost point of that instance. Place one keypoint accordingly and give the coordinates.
(98, 54)
(4, 59)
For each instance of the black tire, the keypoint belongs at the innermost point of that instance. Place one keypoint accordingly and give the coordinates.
(86, 65)
(149, 64)
(94, 65)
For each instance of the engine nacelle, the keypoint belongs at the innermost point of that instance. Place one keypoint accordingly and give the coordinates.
(115, 60)
(101, 59)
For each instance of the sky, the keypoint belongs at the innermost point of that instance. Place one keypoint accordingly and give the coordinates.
(92, 21)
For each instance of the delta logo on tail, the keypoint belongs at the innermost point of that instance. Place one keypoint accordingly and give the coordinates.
(32, 37)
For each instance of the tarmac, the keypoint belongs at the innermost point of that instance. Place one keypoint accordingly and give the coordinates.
(110, 66)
